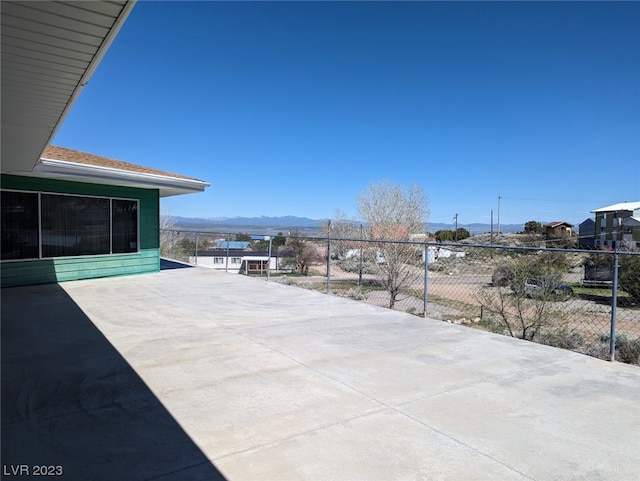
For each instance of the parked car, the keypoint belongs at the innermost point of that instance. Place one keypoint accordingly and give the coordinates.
(546, 289)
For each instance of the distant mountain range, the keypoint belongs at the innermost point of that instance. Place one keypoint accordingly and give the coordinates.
(273, 225)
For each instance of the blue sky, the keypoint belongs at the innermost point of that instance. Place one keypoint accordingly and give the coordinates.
(293, 108)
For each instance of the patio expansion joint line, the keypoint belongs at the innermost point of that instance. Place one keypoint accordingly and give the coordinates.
(459, 441)
(299, 434)
(171, 473)
(384, 406)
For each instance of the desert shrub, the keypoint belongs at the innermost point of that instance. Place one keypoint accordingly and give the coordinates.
(356, 293)
(353, 265)
(562, 337)
(492, 324)
(289, 281)
(627, 350)
(550, 266)
(520, 316)
(629, 276)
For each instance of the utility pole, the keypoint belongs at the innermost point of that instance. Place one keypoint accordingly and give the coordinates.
(498, 214)
(492, 226)
(455, 233)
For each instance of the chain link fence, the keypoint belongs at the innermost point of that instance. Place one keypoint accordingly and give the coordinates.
(583, 300)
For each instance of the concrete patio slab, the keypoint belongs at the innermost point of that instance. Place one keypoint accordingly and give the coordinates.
(197, 374)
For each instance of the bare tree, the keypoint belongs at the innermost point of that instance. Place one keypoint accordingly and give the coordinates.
(301, 251)
(393, 213)
(343, 231)
(167, 227)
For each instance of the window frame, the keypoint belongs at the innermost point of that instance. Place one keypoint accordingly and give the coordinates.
(80, 256)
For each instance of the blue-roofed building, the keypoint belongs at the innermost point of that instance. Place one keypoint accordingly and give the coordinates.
(233, 245)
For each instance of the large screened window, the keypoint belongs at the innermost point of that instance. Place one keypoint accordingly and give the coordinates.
(20, 239)
(124, 225)
(51, 225)
(74, 225)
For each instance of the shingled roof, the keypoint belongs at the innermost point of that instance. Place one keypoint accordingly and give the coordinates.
(75, 156)
(67, 164)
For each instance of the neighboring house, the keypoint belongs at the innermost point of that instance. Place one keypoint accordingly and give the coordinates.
(78, 216)
(586, 234)
(233, 245)
(558, 233)
(238, 261)
(558, 230)
(618, 226)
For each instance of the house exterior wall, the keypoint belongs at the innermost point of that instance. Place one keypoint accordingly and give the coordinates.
(233, 267)
(586, 233)
(42, 271)
(559, 231)
(608, 232)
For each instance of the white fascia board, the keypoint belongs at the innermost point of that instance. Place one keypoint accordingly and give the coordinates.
(107, 175)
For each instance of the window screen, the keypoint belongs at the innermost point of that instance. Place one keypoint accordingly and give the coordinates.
(19, 225)
(124, 223)
(74, 225)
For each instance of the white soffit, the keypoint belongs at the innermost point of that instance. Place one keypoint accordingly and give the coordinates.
(49, 51)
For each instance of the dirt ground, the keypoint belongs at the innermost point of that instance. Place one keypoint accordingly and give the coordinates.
(453, 296)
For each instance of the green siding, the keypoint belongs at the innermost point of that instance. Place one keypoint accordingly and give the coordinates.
(15, 273)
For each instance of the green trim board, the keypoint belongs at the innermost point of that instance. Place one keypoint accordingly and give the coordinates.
(45, 271)
(39, 271)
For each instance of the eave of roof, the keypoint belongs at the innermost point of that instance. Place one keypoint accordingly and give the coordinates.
(558, 223)
(67, 164)
(622, 206)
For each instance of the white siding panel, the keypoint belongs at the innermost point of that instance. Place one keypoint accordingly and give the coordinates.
(32, 14)
(12, 32)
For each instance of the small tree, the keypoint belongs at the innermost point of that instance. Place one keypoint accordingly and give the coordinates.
(461, 233)
(343, 231)
(533, 227)
(394, 213)
(301, 251)
(445, 235)
(167, 226)
(243, 237)
(519, 315)
(263, 244)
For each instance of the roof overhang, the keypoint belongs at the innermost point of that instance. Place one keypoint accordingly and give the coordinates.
(621, 207)
(631, 222)
(49, 52)
(65, 170)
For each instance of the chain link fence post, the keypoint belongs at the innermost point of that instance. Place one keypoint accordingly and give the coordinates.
(614, 306)
(328, 265)
(426, 279)
(196, 248)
